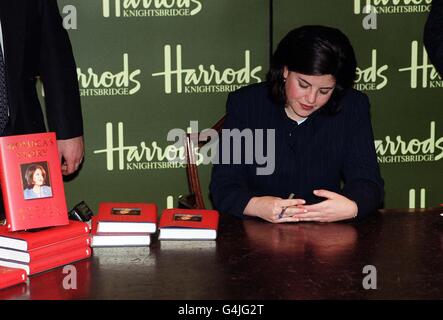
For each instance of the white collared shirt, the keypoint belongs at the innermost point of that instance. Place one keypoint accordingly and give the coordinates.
(1, 41)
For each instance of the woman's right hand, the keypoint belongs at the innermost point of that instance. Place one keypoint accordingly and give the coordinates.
(269, 208)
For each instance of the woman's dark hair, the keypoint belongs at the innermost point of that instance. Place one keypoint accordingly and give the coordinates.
(30, 173)
(314, 50)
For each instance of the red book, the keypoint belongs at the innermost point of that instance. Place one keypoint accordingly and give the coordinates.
(11, 276)
(31, 181)
(19, 291)
(181, 224)
(50, 262)
(46, 251)
(29, 240)
(126, 217)
(40, 290)
(118, 239)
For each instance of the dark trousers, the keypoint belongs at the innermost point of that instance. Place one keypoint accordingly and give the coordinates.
(7, 132)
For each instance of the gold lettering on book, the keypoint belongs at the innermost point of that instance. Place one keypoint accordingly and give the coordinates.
(31, 148)
(39, 212)
(31, 154)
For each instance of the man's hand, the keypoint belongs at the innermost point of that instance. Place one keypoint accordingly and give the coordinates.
(71, 152)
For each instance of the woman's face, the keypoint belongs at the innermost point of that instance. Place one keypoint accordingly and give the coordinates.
(37, 178)
(306, 94)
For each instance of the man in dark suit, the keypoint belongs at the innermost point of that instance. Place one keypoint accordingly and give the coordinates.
(433, 35)
(35, 45)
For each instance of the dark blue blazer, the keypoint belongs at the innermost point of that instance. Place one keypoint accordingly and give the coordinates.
(37, 46)
(333, 152)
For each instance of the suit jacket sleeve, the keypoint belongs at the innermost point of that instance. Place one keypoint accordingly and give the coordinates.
(361, 174)
(229, 182)
(58, 74)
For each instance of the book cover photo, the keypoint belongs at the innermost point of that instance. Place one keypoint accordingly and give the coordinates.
(31, 181)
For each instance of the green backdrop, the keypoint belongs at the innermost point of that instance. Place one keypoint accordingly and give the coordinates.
(142, 68)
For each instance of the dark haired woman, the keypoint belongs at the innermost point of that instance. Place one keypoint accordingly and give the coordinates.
(324, 145)
(36, 183)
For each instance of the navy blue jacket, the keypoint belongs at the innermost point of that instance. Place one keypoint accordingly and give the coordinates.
(333, 152)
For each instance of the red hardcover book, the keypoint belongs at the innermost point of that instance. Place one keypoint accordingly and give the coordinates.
(29, 240)
(11, 276)
(118, 239)
(126, 217)
(40, 290)
(46, 251)
(31, 181)
(50, 262)
(19, 291)
(181, 224)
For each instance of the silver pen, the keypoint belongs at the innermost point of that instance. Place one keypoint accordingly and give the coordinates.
(284, 208)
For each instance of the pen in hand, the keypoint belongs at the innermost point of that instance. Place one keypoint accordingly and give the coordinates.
(284, 208)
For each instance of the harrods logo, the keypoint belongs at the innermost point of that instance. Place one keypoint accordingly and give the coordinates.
(248, 147)
(372, 78)
(205, 79)
(393, 6)
(429, 75)
(401, 150)
(150, 8)
(107, 83)
(140, 156)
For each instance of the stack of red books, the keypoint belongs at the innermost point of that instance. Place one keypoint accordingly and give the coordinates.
(39, 250)
(124, 224)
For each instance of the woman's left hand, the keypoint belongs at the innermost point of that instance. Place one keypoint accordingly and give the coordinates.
(336, 207)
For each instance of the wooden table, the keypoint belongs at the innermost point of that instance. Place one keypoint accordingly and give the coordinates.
(257, 260)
